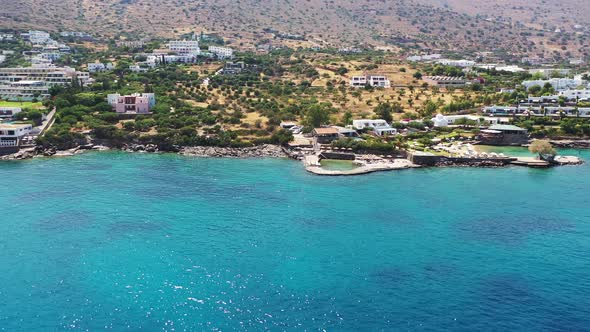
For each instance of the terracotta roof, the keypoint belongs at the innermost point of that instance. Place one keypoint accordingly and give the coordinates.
(326, 131)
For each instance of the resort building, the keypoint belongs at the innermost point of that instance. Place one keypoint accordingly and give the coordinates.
(377, 81)
(27, 83)
(451, 120)
(38, 37)
(13, 134)
(504, 135)
(221, 52)
(9, 112)
(24, 90)
(445, 81)
(456, 63)
(51, 75)
(132, 104)
(185, 47)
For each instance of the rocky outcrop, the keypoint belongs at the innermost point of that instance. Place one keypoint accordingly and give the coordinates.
(261, 151)
(571, 144)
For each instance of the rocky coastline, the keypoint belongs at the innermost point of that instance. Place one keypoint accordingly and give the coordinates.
(262, 151)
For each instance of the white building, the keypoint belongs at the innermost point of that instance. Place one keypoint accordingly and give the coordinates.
(583, 95)
(425, 57)
(185, 47)
(99, 67)
(2, 58)
(377, 81)
(457, 63)
(557, 83)
(380, 127)
(222, 52)
(12, 134)
(28, 83)
(38, 37)
(449, 120)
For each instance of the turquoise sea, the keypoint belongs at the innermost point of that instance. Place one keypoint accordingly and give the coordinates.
(163, 242)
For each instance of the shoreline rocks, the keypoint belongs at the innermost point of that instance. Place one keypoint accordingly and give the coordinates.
(262, 151)
(571, 144)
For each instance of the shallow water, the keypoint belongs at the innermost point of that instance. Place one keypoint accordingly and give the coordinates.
(163, 242)
(337, 165)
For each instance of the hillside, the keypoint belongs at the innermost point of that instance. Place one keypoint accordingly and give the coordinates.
(512, 26)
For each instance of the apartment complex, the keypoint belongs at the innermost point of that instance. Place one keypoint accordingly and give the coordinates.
(185, 47)
(132, 104)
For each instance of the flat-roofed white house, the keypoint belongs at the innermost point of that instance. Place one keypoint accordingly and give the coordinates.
(377, 81)
(380, 127)
(12, 134)
(450, 120)
(221, 52)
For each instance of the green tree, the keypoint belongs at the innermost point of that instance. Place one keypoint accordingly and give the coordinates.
(383, 111)
(317, 115)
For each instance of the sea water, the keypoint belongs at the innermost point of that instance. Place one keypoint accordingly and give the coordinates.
(163, 242)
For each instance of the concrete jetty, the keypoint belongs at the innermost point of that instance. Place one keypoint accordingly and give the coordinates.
(313, 166)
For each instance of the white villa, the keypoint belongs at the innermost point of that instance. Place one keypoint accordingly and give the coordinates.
(380, 127)
(377, 81)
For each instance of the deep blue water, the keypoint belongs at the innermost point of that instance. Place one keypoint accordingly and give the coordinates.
(162, 242)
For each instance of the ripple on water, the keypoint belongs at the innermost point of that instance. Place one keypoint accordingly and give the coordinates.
(125, 228)
(511, 230)
(72, 220)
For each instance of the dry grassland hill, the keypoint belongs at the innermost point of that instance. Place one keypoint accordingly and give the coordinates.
(532, 27)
